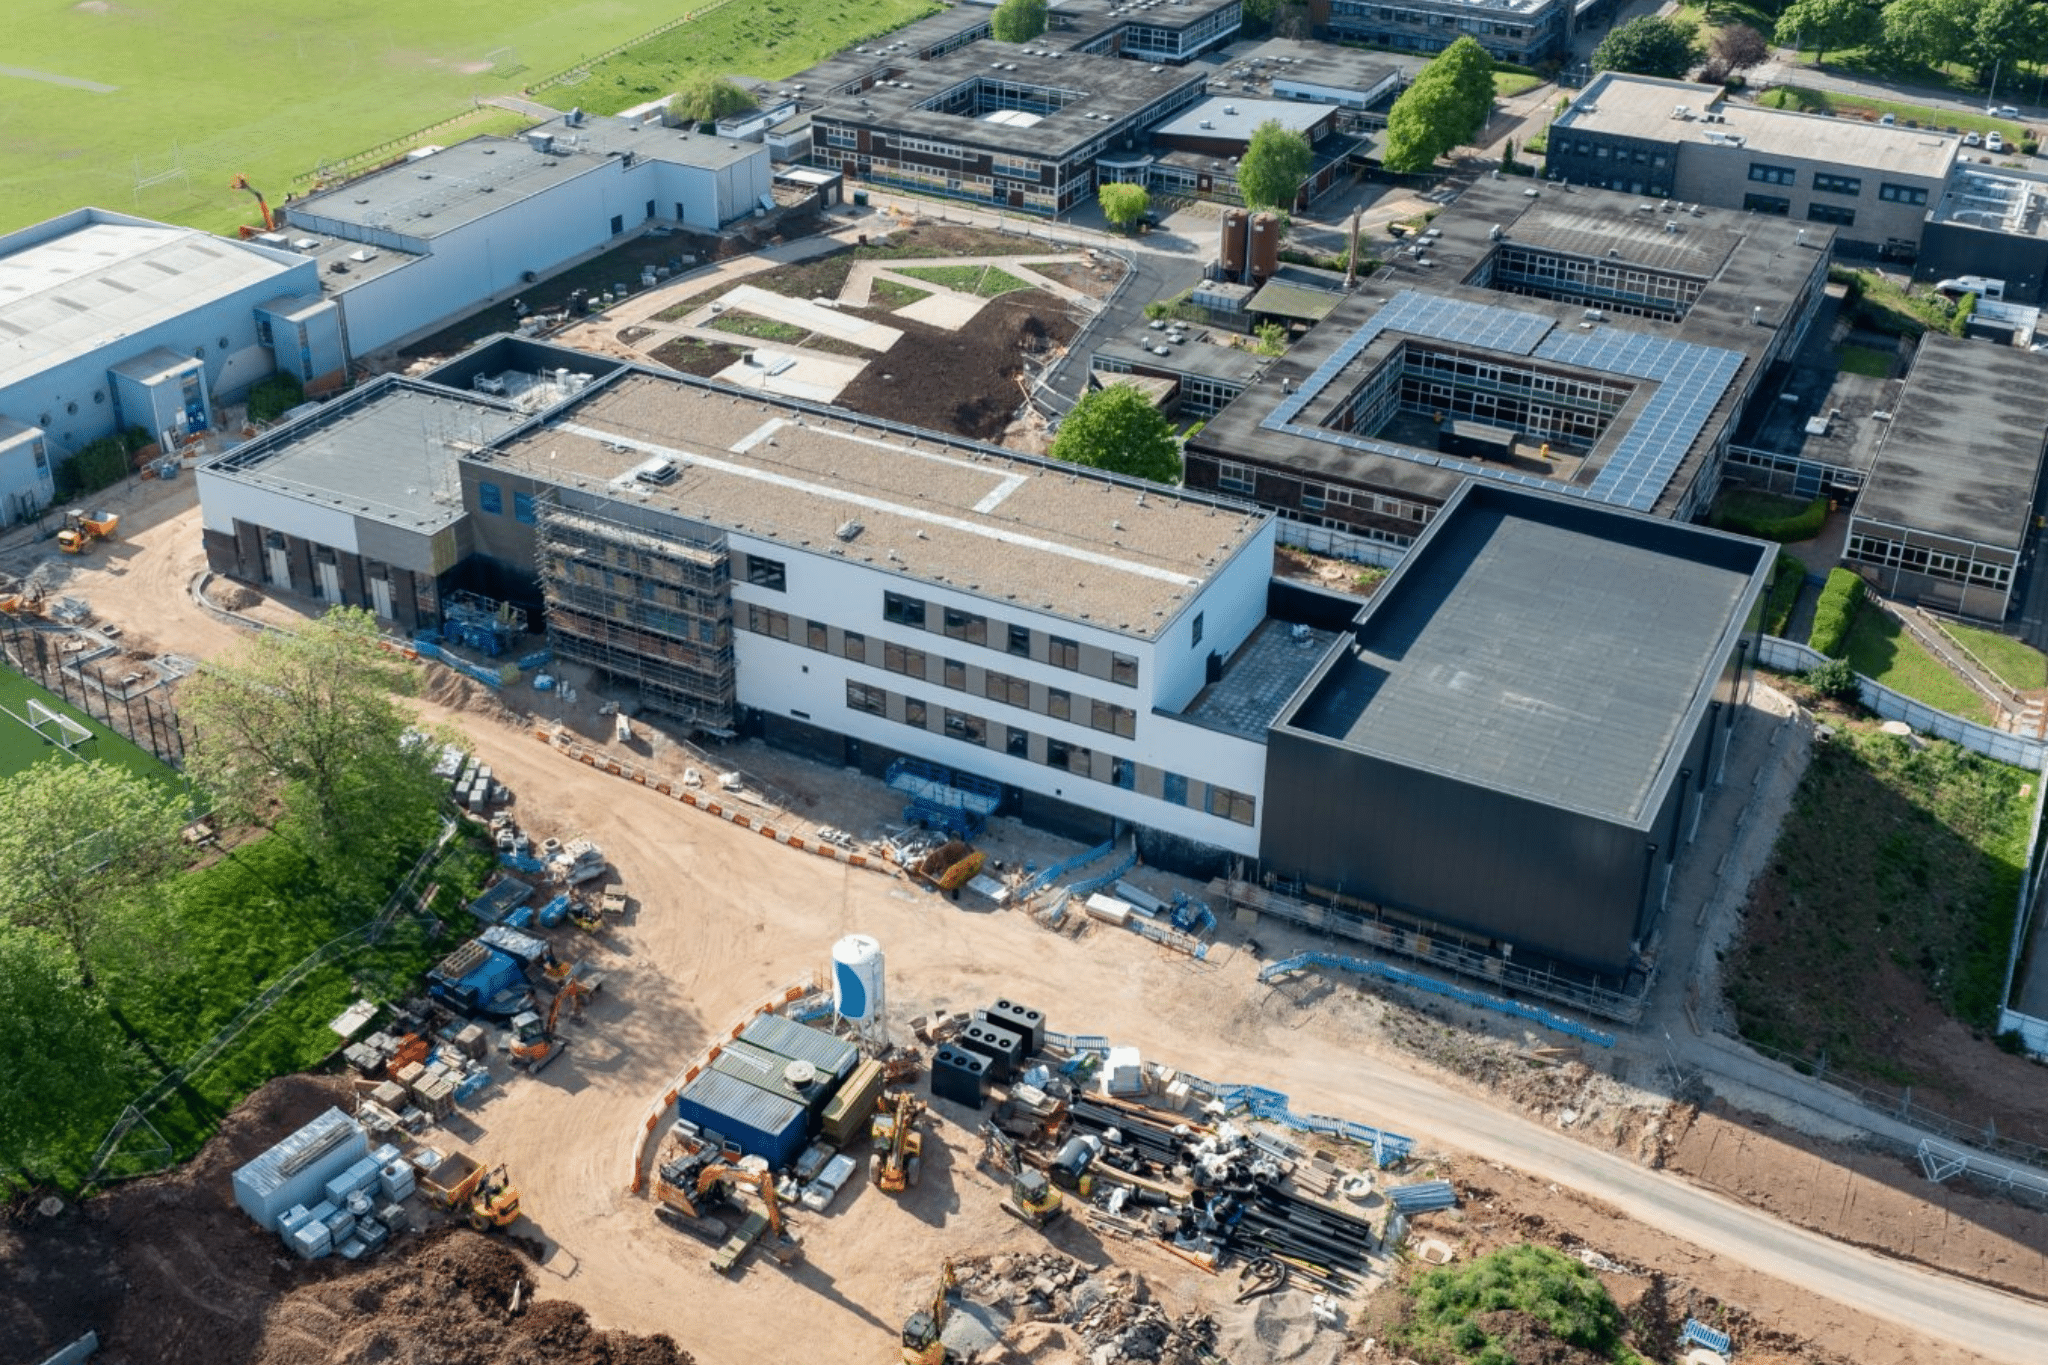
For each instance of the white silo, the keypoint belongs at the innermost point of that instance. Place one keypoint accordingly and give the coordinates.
(858, 994)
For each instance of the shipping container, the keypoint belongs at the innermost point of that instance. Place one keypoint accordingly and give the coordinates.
(296, 1170)
(758, 1123)
(771, 1072)
(835, 1058)
(846, 1113)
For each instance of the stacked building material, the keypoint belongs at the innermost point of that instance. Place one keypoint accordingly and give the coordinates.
(297, 1169)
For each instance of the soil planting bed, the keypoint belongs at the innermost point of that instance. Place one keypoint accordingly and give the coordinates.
(964, 382)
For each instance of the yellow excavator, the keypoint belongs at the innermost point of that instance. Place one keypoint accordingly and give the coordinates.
(899, 1146)
(921, 1343)
(1031, 1197)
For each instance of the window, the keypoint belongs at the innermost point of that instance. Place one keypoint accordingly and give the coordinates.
(1123, 669)
(766, 573)
(765, 621)
(854, 646)
(956, 675)
(1058, 753)
(1115, 720)
(1772, 175)
(1020, 641)
(489, 497)
(1063, 653)
(1767, 203)
(961, 726)
(1231, 805)
(1058, 704)
(1830, 213)
(1174, 789)
(1196, 631)
(1235, 478)
(903, 659)
(1837, 184)
(873, 700)
(903, 611)
(965, 625)
(1018, 743)
(913, 712)
(1002, 687)
(522, 508)
(816, 636)
(1901, 194)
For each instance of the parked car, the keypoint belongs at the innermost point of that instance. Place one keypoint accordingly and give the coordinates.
(1973, 139)
(2002, 111)
(1994, 141)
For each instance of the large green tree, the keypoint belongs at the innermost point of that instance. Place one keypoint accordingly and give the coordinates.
(1123, 204)
(1446, 105)
(60, 1055)
(1929, 32)
(705, 98)
(1274, 164)
(79, 842)
(1827, 24)
(1018, 21)
(1648, 46)
(309, 719)
(1542, 1303)
(1120, 430)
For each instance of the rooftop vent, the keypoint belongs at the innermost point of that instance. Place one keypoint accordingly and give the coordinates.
(848, 530)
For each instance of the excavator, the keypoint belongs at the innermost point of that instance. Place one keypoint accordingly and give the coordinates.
(899, 1154)
(535, 1044)
(921, 1343)
(80, 530)
(1032, 1198)
(694, 1198)
(241, 182)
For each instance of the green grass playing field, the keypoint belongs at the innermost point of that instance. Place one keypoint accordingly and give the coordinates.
(98, 95)
(21, 747)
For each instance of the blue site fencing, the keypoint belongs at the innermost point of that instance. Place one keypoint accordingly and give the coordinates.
(1091, 885)
(1062, 868)
(1362, 966)
(1388, 1149)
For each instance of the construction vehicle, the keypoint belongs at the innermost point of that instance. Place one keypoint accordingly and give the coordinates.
(585, 916)
(534, 1043)
(614, 903)
(81, 530)
(921, 1330)
(241, 182)
(21, 599)
(687, 1199)
(1031, 1198)
(899, 1146)
(484, 1194)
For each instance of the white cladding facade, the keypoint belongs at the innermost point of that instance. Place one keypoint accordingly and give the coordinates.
(1128, 776)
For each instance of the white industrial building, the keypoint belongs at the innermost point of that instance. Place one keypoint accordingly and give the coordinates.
(109, 321)
(407, 247)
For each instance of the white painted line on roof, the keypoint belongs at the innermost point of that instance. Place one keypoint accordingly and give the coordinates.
(758, 435)
(874, 504)
(1002, 491)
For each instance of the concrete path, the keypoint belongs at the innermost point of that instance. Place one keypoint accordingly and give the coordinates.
(747, 298)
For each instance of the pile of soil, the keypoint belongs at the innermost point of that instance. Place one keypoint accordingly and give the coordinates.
(169, 1271)
(962, 382)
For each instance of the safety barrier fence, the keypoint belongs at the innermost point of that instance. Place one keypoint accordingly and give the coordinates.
(1388, 1149)
(149, 720)
(1361, 966)
(1060, 869)
(570, 75)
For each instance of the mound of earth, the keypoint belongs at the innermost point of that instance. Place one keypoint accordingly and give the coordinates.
(965, 381)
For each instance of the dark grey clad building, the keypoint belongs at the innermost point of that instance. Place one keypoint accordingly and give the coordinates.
(1517, 740)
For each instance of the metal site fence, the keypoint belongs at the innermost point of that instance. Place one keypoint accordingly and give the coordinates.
(1901, 1105)
(149, 719)
(572, 75)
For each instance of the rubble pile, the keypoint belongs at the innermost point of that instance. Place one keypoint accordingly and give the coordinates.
(1105, 1315)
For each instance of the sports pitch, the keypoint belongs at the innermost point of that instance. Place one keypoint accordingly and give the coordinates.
(21, 747)
(150, 109)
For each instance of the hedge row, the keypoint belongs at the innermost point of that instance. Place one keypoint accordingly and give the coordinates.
(1786, 580)
(1804, 524)
(102, 464)
(1835, 612)
(271, 398)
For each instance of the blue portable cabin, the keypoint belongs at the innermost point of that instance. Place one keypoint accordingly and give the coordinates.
(753, 1120)
(478, 978)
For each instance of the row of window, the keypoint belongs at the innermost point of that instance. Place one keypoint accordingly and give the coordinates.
(1779, 207)
(1010, 638)
(491, 498)
(912, 662)
(1829, 183)
(1068, 757)
(1934, 563)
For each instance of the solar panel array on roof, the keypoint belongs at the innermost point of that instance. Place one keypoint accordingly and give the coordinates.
(1691, 380)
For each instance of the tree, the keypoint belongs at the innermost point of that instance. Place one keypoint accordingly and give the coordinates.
(1447, 104)
(1274, 164)
(1536, 1298)
(1119, 429)
(1466, 69)
(60, 1054)
(1123, 204)
(78, 841)
(1648, 46)
(1739, 47)
(309, 718)
(1929, 32)
(1272, 339)
(1018, 21)
(705, 98)
(2006, 33)
(1825, 24)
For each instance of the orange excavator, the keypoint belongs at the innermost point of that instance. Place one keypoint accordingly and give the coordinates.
(535, 1044)
(921, 1330)
(241, 182)
(693, 1199)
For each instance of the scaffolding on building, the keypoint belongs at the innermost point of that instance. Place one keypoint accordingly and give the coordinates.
(941, 799)
(649, 608)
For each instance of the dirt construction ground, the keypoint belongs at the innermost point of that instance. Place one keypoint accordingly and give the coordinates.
(168, 1272)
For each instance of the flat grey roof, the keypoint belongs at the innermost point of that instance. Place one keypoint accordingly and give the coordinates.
(903, 47)
(1645, 107)
(1962, 453)
(1221, 117)
(1057, 538)
(1199, 353)
(111, 277)
(1261, 676)
(1289, 59)
(1543, 648)
(386, 451)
